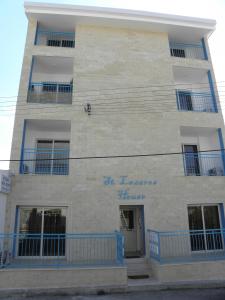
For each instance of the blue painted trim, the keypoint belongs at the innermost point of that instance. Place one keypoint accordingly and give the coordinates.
(143, 228)
(177, 99)
(204, 49)
(119, 247)
(222, 219)
(220, 135)
(15, 232)
(57, 32)
(184, 45)
(36, 34)
(159, 255)
(31, 72)
(212, 90)
(22, 146)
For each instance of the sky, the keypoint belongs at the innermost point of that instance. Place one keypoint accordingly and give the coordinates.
(13, 27)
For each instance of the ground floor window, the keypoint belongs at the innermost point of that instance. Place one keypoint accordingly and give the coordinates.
(205, 228)
(41, 231)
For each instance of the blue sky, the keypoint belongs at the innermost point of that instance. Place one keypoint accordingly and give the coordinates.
(13, 24)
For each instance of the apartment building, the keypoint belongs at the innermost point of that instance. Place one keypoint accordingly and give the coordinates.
(104, 87)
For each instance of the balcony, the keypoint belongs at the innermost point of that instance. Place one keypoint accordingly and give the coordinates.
(51, 80)
(188, 50)
(195, 91)
(203, 164)
(57, 93)
(46, 147)
(49, 37)
(193, 101)
(187, 245)
(44, 161)
(201, 151)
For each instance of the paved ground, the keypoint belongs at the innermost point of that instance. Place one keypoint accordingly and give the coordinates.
(200, 294)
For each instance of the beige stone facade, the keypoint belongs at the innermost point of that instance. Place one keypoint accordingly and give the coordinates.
(127, 75)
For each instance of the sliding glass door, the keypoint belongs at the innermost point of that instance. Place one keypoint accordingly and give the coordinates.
(41, 231)
(205, 229)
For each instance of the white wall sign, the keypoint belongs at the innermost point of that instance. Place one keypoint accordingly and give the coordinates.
(5, 183)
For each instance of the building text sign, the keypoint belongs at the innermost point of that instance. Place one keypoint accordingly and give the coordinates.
(125, 184)
(5, 183)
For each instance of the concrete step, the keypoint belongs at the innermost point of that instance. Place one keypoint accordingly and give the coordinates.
(138, 268)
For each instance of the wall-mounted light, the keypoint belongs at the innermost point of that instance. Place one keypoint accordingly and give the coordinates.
(87, 108)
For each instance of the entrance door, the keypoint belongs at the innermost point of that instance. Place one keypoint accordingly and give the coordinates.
(191, 160)
(131, 226)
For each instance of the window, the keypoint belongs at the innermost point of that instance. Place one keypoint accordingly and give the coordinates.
(177, 52)
(64, 88)
(204, 225)
(49, 87)
(41, 231)
(51, 157)
(53, 43)
(127, 219)
(60, 43)
(68, 43)
(192, 166)
(185, 100)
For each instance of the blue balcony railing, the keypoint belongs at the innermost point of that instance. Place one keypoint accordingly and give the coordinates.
(203, 164)
(55, 39)
(193, 51)
(187, 246)
(30, 250)
(45, 161)
(193, 101)
(50, 92)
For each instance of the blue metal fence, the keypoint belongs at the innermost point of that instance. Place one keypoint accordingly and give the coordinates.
(50, 92)
(55, 39)
(194, 51)
(45, 161)
(30, 250)
(187, 246)
(194, 101)
(203, 164)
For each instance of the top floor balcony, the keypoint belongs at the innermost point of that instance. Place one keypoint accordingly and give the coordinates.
(52, 37)
(191, 50)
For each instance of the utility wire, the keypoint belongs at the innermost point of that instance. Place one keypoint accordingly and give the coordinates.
(113, 156)
(77, 92)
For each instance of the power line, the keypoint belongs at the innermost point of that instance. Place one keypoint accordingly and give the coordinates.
(128, 88)
(113, 156)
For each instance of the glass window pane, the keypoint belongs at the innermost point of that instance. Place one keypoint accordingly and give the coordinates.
(212, 221)
(43, 157)
(30, 232)
(211, 216)
(61, 152)
(54, 232)
(196, 223)
(195, 218)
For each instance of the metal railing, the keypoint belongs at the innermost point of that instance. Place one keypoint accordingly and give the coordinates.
(187, 246)
(55, 39)
(30, 250)
(203, 164)
(50, 92)
(45, 161)
(194, 51)
(193, 101)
